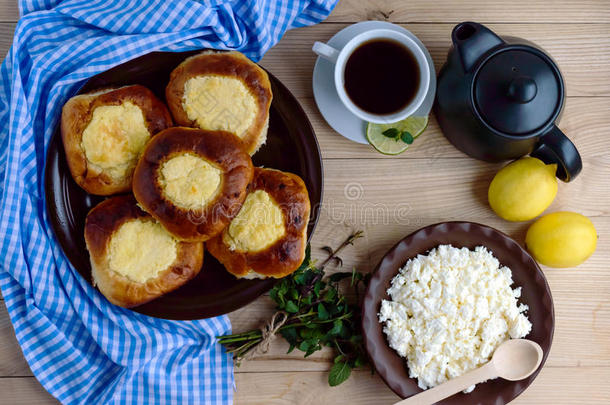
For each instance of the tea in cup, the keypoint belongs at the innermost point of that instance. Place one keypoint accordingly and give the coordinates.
(381, 75)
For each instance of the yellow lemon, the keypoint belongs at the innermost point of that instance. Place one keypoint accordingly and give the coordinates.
(523, 189)
(561, 239)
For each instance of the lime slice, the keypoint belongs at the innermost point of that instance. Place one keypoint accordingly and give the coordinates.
(390, 146)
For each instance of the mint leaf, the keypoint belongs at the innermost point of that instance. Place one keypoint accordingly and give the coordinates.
(360, 361)
(291, 307)
(406, 137)
(313, 347)
(339, 373)
(290, 334)
(391, 133)
(319, 285)
(337, 327)
(330, 295)
(322, 312)
(300, 279)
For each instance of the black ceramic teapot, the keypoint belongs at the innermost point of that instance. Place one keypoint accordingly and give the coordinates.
(499, 98)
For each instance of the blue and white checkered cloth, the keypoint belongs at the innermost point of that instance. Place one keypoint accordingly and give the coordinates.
(80, 347)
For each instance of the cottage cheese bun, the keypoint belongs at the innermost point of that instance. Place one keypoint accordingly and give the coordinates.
(133, 258)
(105, 132)
(222, 91)
(193, 181)
(268, 236)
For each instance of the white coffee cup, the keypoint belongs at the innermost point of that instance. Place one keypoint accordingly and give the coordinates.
(340, 57)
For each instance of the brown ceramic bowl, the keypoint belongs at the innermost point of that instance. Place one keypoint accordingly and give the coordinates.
(526, 273)
(291, 146)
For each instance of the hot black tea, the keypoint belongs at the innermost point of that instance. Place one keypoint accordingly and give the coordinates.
(381, 76)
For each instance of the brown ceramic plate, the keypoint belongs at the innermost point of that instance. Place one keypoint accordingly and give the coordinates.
(526, 273)
(291, 146)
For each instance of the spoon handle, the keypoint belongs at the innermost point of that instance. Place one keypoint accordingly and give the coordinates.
(444, 390)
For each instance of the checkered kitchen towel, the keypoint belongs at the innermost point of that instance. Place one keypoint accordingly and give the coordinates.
(80, 347)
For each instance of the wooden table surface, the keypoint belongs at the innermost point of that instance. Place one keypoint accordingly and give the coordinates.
(389, 197)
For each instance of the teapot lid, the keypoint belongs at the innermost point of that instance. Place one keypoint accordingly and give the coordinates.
(518, 90)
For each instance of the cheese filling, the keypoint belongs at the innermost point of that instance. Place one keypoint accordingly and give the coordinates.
(115, 138)
(252, 275)
(189, 181)
(140, 250)
(258, 225)
(219, 103)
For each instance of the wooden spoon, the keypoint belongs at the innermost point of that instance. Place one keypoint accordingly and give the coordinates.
(513, 360)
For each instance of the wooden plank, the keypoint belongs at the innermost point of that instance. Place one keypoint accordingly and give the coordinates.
(585, 120)
(485, 11)
(6, 37)
(569, 283)
(27, 390)
(12, 362)
(572, 46)
(580, 334)
(582, 52)
(453, 189)
(518, 11)
(590, 277)
(9, 11)
(558, 386)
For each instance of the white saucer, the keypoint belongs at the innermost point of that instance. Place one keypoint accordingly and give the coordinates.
(325, 92)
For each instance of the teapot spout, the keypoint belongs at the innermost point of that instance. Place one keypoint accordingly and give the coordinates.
(472, 40)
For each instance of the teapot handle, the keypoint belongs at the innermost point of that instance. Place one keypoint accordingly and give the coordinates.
(556, 147)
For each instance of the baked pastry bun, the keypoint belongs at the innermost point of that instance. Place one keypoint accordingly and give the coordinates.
(193, 181)
(133, 258)
(269, 235)
(222, 91)
(105, 132)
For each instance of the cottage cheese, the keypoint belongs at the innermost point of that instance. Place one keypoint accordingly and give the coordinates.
(449, 311)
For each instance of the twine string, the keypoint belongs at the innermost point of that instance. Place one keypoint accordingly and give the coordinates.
(268, 333)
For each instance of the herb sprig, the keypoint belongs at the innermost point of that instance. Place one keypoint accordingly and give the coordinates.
(397, 135)
(318, 315)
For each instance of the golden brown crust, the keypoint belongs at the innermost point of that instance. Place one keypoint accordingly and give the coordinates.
(233, 64)
(102, 222)
(285, 255)
(219, 147)
(76, 116)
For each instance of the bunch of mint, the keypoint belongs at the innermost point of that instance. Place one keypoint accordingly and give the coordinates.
(318, 315)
